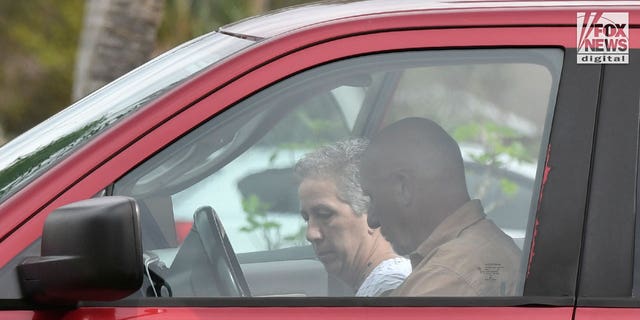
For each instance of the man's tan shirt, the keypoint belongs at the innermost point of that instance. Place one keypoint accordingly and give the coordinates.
(467, 255)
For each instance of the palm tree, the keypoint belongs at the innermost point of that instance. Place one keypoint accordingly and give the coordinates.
(117, 36)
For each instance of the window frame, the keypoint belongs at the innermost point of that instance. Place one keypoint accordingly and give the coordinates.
(607, 272)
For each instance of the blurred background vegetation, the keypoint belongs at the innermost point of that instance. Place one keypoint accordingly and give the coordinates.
(39, 45)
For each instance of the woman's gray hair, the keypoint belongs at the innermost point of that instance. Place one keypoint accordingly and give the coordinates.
(339, 162)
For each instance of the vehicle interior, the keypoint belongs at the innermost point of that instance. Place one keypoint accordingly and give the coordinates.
(272, 129)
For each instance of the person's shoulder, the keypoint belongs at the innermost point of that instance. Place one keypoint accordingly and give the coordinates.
(477, 244)
(487, 234)
(392, 270)
(386, 276)
(397, 264)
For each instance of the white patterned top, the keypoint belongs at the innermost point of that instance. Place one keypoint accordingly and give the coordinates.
(386, 276)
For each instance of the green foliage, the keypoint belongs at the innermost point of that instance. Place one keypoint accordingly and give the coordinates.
(256, 214)
(259, 222)
(499, 143)
(38, 40)
(187, 19)
(508, 187)
(496, 139)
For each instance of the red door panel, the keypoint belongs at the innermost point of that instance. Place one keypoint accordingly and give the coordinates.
(297, 313)
(607, 313)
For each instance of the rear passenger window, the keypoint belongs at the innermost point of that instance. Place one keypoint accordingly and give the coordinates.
(396, 174)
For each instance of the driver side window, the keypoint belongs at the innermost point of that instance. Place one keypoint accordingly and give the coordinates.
(239, 166)
(243, 205)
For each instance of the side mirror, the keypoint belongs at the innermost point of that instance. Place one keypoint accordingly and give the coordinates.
(91, 250)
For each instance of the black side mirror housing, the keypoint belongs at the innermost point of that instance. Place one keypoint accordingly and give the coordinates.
(91, 250)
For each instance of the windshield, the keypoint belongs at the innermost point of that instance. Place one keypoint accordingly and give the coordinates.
(31, 153)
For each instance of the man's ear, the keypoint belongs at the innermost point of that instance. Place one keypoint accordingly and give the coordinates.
(402, 187)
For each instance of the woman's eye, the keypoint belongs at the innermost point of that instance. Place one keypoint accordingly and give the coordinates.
(324, 213)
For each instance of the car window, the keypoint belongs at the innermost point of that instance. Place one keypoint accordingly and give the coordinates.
(309, 187)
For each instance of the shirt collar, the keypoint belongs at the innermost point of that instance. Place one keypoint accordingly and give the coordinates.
(449, 229)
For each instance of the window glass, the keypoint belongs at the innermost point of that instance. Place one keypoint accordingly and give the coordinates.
(409, 174)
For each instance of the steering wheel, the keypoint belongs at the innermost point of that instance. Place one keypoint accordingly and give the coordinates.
(227, 271)
(205, 265)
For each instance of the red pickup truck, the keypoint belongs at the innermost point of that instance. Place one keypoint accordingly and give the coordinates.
(169, 193)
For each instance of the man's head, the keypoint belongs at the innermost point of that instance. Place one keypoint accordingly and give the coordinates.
(414, 174)
(334, 206)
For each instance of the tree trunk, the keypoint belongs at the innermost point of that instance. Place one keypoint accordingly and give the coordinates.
(3, 140)
(118, 35)
(258, 6)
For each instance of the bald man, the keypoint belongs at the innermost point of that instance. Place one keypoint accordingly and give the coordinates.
(414, 173)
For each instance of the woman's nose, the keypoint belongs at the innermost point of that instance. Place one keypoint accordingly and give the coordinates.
(313, 232)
